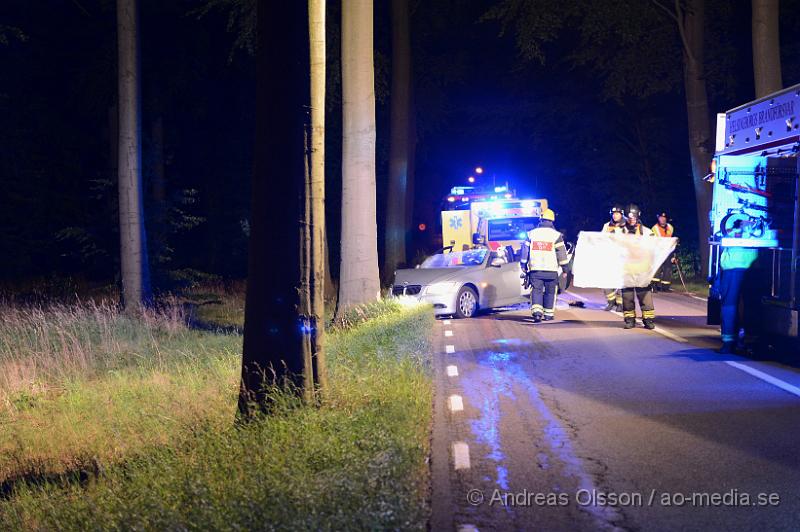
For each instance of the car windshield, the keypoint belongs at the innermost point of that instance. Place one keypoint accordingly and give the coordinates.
(456, 259)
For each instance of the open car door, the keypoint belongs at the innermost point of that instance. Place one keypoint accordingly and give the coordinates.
(504, 286)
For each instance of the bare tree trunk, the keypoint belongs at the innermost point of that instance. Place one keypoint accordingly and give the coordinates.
(133, 255)
(691, 22)
(319, 256)
(396, 227)
(306, 249)
(358, 279)
(766, 47)
(276, 332)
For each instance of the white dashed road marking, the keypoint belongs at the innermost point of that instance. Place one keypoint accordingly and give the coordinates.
(766, 378)
(448, 333)
(449, 349)
(467, 528)
(452, 371)
(671, 336)
(446, 322)
(662, 332)
(456, 403)
(460, 455)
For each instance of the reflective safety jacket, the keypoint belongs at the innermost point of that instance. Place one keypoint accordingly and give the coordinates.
(735, 257)
(637, 229)
(663, 231)
(611, 227)
(544, 251)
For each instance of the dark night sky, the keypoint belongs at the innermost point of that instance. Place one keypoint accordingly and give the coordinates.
(543, 127)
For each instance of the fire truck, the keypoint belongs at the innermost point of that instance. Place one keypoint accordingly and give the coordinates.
(491, 217)
(755, 201)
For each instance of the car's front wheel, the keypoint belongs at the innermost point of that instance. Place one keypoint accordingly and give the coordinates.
(466, 302)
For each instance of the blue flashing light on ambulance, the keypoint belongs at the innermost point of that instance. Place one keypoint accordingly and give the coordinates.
(492, 217)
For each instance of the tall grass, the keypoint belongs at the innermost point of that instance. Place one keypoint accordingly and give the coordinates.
(84, 384)
(43, 345)
(144, 409)
(217, 306)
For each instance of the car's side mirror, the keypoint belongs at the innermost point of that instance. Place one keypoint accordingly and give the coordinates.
(497, 262)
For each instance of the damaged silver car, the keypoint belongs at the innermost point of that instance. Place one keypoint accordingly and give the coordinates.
(461, 283)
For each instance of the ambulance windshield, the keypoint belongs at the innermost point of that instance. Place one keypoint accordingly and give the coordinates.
(503, 229)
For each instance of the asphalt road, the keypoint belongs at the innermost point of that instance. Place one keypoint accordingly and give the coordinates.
(577, 424)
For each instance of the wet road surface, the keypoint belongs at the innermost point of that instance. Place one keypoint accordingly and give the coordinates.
(577, 424)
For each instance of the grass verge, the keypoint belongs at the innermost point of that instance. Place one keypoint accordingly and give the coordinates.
(157, 437)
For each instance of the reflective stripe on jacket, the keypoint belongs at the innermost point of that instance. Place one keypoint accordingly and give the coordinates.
(545, 250)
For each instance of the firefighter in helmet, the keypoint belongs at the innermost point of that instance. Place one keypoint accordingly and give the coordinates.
(543, 253)
(633, 226)
(614, 225)
(663, 279)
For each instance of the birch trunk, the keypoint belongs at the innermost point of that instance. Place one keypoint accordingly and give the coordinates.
(319, 256)
(358, 279)
(133, 256)
(306, 274)
(766, 47)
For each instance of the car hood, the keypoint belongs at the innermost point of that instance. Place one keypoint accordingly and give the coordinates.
(426, 276)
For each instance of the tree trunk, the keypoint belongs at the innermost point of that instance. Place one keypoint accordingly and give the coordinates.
(306, 274)
(276, 332)
(133, 254)
(396, 228)
(766, 47)
(358, 278)
(691, 26)
(319, 256)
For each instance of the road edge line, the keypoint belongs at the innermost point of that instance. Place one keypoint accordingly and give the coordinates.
(785, 386)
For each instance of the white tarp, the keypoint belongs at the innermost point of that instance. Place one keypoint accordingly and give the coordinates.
(609, 260)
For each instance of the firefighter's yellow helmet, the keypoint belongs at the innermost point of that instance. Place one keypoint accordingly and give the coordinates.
(548, 214)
